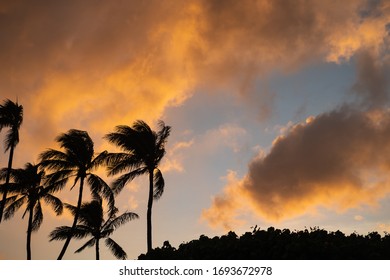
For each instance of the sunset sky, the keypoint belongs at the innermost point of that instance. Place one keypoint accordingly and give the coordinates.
(280, 110)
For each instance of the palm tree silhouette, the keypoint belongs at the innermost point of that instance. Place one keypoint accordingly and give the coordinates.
(11, 115)
(91, 223)
(77, 160)
(28, 185)
(143, 150)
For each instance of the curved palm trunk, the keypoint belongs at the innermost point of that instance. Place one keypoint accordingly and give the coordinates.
(97, 249)
(29, 231)
(149, 213)
(2, 203)
(76, 217)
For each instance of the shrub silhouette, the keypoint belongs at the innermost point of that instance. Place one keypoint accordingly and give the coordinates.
(274, 244)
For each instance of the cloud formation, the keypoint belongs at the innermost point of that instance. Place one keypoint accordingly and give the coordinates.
(372, 86)
(338, 160)
(92, 64)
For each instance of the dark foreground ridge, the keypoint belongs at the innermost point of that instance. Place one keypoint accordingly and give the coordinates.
(276, 244)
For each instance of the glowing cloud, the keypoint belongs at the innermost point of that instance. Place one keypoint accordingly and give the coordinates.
(94, 66)
(338, 160)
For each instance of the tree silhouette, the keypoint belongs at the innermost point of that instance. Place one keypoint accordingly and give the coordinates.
(28, 185)
(277, 244)
(143, 150)
(11, 116)
(91, 223)
(78, 160)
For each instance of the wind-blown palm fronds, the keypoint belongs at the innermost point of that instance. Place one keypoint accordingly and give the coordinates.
(77, 160)
(91, 223)
(143, 150)
(29, 188)
(11, 116)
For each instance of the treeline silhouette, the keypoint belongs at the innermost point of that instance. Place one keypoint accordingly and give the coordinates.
(75, 165)
(277, 244)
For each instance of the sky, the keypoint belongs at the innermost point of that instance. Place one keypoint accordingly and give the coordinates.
(280, 110)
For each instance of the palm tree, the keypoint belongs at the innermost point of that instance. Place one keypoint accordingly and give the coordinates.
(143, 150)
(11, 115)
(28, 185)
(78, 160)
(92, 223)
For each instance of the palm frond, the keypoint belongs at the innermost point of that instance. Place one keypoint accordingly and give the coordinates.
(55, 202)
(3, 173)
(158, 184)
(99, 160)
(11, 139)
(120, 162)
(13, 207)
(51, 154)
(100, 188)
(91, 214)
(10, 199)
(11, 115)
(14, 188)
(54, 184)
(106, 232)
(127, 138)
(89, 243)
(78, 145)
(60, 168)
(62, 232)
(115, 249)
(140, 126)
(14, 173)
(72, 209)
(120, 183)
(162, 134)
(38, 216)
(122, 219)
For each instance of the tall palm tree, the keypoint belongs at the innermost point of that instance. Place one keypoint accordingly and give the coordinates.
(78, 160)
(91, 223)
(143, 150)
(28, 187)
(11, 116)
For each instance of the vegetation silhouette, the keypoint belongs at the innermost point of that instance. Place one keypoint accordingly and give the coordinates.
(29, 187)
(11, 116)
(91, 222)
(78, 160)
(143, 150)
(276, 244)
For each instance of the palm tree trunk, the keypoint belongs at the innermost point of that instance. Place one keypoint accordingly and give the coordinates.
(2, 203)
(149, 212)
(97, 249)
(29, 231)
(76, 217)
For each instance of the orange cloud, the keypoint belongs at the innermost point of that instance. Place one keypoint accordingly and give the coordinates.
(338, 160)
(367, 32)
(173, 161)
(95, 66)
(226, 207)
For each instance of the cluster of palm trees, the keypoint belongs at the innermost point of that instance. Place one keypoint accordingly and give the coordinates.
(141, 152)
